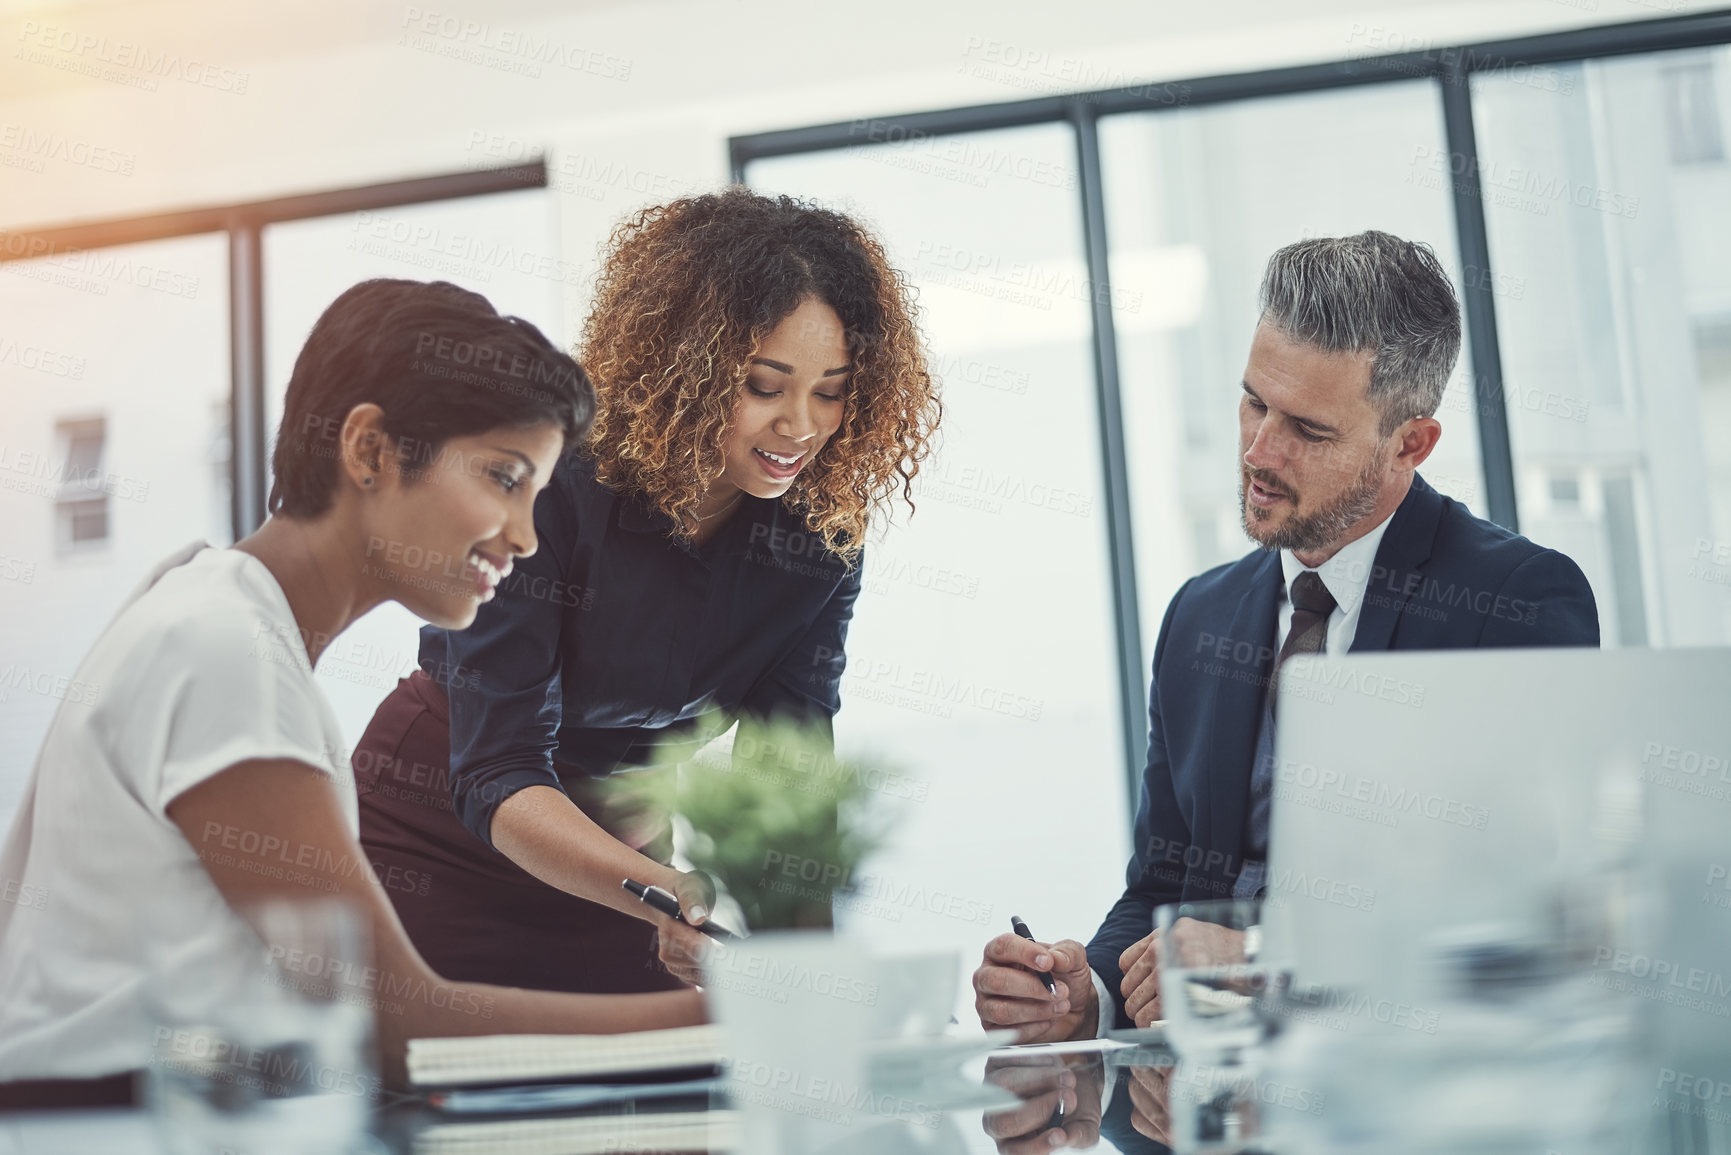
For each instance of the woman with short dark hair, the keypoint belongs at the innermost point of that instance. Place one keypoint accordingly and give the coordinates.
(161, 804)
(761, 395)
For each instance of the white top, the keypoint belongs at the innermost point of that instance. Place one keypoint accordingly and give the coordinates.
(110, 922)
(1347, 576)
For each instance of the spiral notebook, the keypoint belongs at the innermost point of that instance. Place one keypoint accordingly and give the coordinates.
(484, 1060)
(696, 1131)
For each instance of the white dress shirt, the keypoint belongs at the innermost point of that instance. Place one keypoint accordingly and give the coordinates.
(1347, 576)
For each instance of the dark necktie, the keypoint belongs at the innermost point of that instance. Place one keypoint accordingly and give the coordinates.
(1311, 606)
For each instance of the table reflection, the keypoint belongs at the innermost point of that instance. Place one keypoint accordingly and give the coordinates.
(1148, 1090)
(1082, 1102)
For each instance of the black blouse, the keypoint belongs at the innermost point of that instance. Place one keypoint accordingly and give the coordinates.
(616, 634)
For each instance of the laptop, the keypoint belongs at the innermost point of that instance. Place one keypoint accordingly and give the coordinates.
(1439, 817)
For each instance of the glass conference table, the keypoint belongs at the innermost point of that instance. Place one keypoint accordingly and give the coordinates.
(1104, 1109)
(1118, 1102)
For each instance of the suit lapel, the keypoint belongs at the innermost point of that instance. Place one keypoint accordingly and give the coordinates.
(1235, 709)
(1396, 573)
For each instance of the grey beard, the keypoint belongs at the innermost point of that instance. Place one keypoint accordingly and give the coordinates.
(1325, 526)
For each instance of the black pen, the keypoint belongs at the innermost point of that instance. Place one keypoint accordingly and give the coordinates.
(667, 904)
(1021, 928)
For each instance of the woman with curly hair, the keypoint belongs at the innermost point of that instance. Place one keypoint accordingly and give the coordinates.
(761, 395)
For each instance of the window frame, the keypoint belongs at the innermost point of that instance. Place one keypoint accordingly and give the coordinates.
(249, 471)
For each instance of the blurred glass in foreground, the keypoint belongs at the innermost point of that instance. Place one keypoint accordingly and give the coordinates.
(283, 1061)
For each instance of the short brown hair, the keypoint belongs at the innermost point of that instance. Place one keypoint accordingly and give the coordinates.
(439, 360)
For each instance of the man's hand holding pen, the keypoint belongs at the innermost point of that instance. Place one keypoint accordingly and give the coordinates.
(1008, 992)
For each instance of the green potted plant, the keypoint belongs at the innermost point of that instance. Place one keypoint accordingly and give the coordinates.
(782, 824)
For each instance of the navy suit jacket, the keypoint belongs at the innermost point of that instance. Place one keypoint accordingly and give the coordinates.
(1442, 579)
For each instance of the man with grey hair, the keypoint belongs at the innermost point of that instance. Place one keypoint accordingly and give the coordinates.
(1357, 338)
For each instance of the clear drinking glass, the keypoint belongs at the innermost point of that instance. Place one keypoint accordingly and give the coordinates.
(278, 1057)
(1215, 978)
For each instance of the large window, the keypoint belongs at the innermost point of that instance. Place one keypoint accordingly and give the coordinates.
(1196, 202)
(1609, 196)
(1574, 186)
(981, 654)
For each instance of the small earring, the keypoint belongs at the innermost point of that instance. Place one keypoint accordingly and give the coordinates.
(366, 481)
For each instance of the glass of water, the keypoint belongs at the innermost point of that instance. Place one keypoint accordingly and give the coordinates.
(278, 1056)
(1216, 982)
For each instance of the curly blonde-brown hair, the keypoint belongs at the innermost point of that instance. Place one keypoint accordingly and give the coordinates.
(688, 291)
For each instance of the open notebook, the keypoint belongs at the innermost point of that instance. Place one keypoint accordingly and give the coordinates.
(495, 1059)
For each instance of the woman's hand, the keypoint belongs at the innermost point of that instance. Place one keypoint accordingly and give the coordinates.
(541, 829)
(681, 946)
